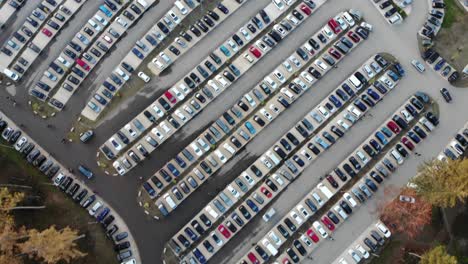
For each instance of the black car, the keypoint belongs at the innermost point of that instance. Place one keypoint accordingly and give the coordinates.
(445, 93)
(163, 27)
(432, 118)
(264, 16)
(223, 8)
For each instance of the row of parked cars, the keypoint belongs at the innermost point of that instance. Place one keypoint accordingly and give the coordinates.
(184, 113)
(434, 20)
(105, 42)
(337, 179)
(440, 65)
(42, 19)
(389, 10)
(142, 48)
(68, 184)
(75, 59)
(265, 166)
(361, 191)
(247, 129)
(196, 32)
(456, 148)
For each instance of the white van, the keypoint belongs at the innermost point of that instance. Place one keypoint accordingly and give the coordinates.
(95, 208)
(11, 74)
(143, 3)
(211, 212)
(169, 201)
(273, 157)
(269, 247)
(426, 123)
(183, 10)
(395, 19)
(355, 82)
(325, 190)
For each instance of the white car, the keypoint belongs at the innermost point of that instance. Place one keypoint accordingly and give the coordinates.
(248, 58)
(270, 82)
(157, 133)
(221, 157)
(158, 64)
(115, 144)
(20, 143)
(382, 228)
(287, 66)
(130, 130)
(370, 73)
(320, 229)
(273, 237)
(350, 199)
(341, 22)
(296, 217)
(249, 179)
(364, 253)
(266, 162)
(280, 29)
(182, 117)
(366, 26)
(266, 114)
(144, 77)
(233, 191)
(279, 4)
(178, 94)
(120, 170)
(418, 65)
(324, 112)
(278, 179)
(293, 19)
(213, 85)
(349, 19)
(295, 61)
(122, 74)
(165, 57)
(279, 76)
(354, 255)
(306, 76)
(343, 124)
(232, 45)
(408, 117)
(387, 82)
(122, 22)
(221, 80)
(196, 149)
(328, 32)
(321, 64)
(157, 110)
(303, 211)
(245, 33)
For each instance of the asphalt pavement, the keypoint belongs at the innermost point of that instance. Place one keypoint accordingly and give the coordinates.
(121, 192)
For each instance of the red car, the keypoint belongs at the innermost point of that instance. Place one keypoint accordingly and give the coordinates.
(224, 231)
(393, 126)
(334, 26)
(255, 52)
(82, 64)
(170, 97)
(46, 32)
(334, 53)
(327, 222)
(253, 258)
(266, 192)
(312, 235)
(354, 37)
(305, 9)
(407, 143)
(286, 261)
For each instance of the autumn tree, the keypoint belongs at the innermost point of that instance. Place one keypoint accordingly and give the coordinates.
(405, 217)
(438, 255)
(52, 245)
(443, 183)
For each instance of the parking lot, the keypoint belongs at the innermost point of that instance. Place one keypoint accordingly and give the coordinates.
(150, 235)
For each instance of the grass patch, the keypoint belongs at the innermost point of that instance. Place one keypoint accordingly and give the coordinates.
(60, 209)
(452, 11)
(42, 109)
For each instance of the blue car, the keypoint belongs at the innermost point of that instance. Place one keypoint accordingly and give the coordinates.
(103, 214)
(149, 189)
(381, 137)
(38, 94)
(252, 205)
(173, 170)
(360, 105)
(180, 161)
(225, 51)
(400, 69)
(138, 53)
(393, 75)
(199, 256)
(373, 94)
(250, 127)
(414, 137)
(321, 142)
(191, 234)
(106, 11)
(335, 101)
(85, 171)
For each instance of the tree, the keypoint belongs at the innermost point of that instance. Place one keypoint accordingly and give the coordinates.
(438, 255)
(443, 183)
(405, 217)
(52, 245)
